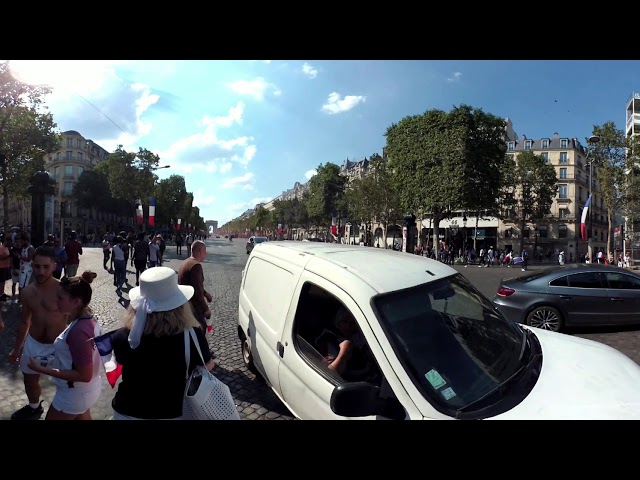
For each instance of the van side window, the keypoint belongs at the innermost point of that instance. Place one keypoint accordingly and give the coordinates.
(329, 339)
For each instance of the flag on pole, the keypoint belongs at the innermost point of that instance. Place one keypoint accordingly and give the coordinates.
(179, 222)
(152, 211)
(583, 229)
(112, 368)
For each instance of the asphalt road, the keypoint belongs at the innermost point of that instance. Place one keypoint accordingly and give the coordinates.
(223, 269)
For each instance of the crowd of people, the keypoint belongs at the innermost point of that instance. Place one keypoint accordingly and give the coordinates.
(58, 331)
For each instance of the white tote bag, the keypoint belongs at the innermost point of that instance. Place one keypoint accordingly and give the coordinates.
(205, 397)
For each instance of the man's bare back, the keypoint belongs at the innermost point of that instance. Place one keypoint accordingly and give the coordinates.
(40, 301)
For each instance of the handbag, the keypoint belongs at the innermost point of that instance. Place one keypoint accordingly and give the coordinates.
(205, 397)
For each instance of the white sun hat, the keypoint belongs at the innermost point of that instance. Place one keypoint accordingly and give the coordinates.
(158, 292)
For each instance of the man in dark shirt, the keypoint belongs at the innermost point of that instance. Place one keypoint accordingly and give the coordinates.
(140, 256)
(74, 249)
(191, 273)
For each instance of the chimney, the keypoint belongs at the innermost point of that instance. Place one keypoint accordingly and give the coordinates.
(555, 136)
(524, 137)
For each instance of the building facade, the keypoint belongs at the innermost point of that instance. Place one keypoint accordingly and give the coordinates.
(560, 229)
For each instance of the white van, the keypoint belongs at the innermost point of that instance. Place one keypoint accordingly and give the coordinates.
(427, 344)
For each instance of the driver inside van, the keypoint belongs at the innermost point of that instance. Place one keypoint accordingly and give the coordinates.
(347, 351)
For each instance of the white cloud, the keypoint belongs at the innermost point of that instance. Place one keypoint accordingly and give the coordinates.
(310, 174)
(254, 88)
(248, 186)
(455, 77)
(234, 210)
(206, 150)
(90, 97)
(309, 71)
(202, 199)
(247, 178)
(337, 105)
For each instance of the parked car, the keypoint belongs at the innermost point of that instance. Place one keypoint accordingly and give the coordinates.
(586, 295)
(423, 343)
(253, 241)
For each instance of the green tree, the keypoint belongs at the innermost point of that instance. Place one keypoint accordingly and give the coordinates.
(260, 219)
(382, 194)
(531, 188)
(92, 191)
(27, 133)
(608, 156)
(326, 194)
(171, 193)
(426, 155)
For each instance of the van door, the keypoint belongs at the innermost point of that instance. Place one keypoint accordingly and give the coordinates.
(306, 382)
(264, 303)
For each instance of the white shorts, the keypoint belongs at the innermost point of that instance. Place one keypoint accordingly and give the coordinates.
(33, 348)
(75, 402)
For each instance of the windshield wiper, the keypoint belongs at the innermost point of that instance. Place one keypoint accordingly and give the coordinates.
(501, 386)
(525, 342)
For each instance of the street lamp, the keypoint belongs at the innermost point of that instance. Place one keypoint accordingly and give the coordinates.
(464, 238)
(593, 139)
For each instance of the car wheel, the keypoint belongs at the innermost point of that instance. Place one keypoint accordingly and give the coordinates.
(546, 318)
(247, 358)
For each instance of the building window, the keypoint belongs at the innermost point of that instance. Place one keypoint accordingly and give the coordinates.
(545, 143)
(69, 155)
(80, 158)
(69, 142)
(564, 158)
(79, 143)
(563, 143)
(58, 156)
(564, 213)
(562, 191)
(68, 170)
(563, 173)
(580, 193)
(545, 155)
(508, 233)
(543, 231)
(562, 231)
(511, 146)
(56, 172)
(527, 145)
(68, 188)
(80, 170)
(525, 233)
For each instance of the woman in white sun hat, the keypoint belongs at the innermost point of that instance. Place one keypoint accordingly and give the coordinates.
(150, 348)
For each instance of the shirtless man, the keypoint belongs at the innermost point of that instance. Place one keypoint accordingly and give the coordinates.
(40, 324)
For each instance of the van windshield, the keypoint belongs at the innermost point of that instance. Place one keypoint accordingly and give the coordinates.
(456, 347)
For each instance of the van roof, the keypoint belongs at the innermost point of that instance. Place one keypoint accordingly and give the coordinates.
(384, 270)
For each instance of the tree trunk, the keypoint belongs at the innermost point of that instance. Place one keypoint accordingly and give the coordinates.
(384, 234)
(475, 234)
(5, 194)
(436, 233)
(522, 223)
(610, 237)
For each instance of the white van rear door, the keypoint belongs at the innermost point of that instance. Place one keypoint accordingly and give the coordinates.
(264, 303)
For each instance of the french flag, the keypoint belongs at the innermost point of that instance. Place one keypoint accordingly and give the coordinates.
(152, 211)
(112, 368)
(583, 220)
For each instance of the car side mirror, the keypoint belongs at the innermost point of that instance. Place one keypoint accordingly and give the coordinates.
(362, 399)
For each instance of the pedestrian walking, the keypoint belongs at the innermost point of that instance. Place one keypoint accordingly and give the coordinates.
(191, 273)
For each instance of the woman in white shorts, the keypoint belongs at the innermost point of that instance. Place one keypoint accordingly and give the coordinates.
(76, 366)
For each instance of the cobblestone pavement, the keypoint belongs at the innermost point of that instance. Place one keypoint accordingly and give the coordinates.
(223, 269)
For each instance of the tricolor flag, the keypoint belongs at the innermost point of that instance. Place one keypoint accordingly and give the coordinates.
(179, 222)
(112, 368)
(139, 214)
(152, 211)
(583, 229)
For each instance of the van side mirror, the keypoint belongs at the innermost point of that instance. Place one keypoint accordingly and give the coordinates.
(362, 399)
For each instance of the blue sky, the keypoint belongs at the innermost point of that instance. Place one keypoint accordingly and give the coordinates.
(241, 132)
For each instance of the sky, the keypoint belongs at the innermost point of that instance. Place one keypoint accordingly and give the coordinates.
(243, 132)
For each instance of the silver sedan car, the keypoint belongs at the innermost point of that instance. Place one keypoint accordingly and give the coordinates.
(585, 295)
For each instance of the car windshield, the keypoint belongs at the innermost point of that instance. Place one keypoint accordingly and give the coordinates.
(260, 239)
(456, 347)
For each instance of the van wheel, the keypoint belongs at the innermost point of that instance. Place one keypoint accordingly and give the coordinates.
(247, 358)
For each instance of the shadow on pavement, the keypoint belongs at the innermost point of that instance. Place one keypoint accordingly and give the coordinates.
(250, 389)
